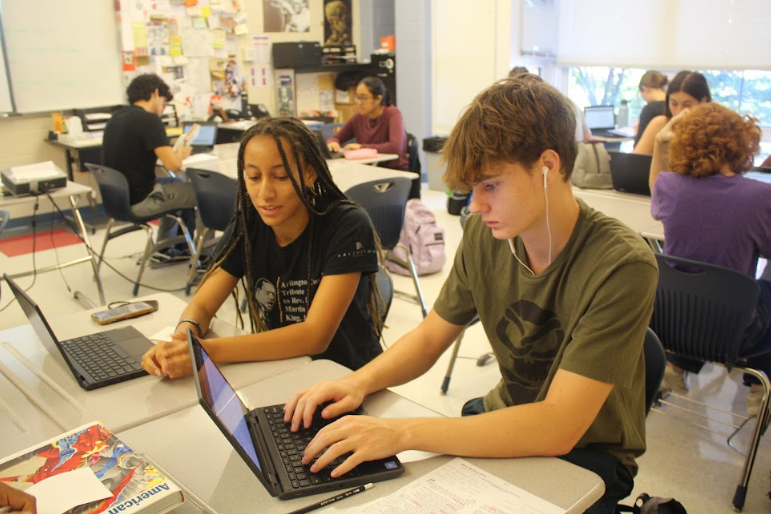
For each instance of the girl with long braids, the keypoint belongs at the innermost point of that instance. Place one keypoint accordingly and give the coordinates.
(305, 254)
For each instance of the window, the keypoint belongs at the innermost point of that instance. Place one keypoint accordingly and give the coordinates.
(746, 92)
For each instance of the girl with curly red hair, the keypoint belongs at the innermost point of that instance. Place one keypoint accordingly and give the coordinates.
(712, 213)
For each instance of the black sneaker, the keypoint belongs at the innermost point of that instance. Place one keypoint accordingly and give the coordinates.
(169, 256)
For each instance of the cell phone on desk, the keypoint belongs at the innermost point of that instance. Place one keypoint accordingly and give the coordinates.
(129, 310)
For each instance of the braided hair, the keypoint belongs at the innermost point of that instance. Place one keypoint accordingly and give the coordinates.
(320, 200)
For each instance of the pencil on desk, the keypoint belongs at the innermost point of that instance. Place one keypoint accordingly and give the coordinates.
(341, 496)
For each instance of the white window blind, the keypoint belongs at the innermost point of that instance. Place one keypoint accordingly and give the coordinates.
(539, 28)
(665, 34)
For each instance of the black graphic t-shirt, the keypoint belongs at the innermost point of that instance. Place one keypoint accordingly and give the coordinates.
(343, 243)
(586, 313)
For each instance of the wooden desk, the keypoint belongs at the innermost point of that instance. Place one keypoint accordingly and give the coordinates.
(73, 192)
(40, 399)
(191, 449)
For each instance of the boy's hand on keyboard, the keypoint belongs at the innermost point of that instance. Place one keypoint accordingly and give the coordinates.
(342, 396)
(364, 437)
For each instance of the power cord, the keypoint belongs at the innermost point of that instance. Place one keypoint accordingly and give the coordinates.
(103, 261)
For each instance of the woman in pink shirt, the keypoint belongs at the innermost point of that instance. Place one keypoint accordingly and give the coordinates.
(377, 125)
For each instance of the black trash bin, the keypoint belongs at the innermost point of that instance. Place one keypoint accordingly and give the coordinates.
(456, 202)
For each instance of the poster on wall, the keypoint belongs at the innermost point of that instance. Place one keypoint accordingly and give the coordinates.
(286, 16)
(285, 95)
(337, 22)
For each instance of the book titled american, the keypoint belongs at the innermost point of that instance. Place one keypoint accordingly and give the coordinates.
(136, 485)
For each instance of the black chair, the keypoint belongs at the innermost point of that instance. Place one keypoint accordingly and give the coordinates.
(4, 217)
(215, 195)
(413, 160)
(701, 312)
(655, 363)
(385, 285)
(385, 201)
(114, 189)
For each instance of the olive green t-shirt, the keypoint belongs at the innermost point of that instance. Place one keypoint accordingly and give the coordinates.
(586, 313)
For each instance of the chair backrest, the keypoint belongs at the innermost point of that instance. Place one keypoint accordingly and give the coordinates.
(322, 143)
(4, 217)
(114, 188)
(413, 155)
(655, 363)
(702, 310)
(215, 194)
(386, 286)
(384, 201)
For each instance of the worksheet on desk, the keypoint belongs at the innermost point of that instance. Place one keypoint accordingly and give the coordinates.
(457, 487)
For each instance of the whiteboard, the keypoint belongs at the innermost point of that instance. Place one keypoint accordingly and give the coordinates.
(5, 94)
(62, 54)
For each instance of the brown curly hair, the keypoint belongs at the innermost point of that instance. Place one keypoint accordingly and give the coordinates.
(711, 136)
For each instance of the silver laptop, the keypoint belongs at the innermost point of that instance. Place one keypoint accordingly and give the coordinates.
(205, 139)
(95, 360)
(600, 119)
(264, 441)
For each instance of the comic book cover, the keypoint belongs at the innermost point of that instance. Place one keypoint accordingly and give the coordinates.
(135, 484)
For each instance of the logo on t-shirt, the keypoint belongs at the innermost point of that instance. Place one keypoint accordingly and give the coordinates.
(533, 337)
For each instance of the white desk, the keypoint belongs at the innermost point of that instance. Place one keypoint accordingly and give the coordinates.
(346, 173)
(188, 446)
(73, 192)
(53, 401)
(633, 210)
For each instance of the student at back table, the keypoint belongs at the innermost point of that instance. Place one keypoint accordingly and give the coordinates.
(378, 125)
(306, 257)
(563, 292)
(134, 139)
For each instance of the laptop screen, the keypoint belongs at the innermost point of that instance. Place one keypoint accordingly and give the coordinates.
(207, 134)
(222, 402)
(35, 318)
(600, 117)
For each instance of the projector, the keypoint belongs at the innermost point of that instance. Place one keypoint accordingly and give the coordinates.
(33, 179)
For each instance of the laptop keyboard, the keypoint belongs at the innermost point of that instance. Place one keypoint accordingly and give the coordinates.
(100, 356)
(291, 446)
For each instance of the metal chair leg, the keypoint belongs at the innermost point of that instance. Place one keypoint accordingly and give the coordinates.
(110, 223)
(741, 489)
(145, 256)
(194, 260)
(453, 357)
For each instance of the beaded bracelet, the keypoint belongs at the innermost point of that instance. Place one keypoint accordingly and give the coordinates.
(192, 322)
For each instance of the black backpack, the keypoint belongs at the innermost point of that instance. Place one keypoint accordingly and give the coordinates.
(646, 504)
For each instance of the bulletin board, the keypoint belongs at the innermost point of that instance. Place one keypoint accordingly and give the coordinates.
(191, 44)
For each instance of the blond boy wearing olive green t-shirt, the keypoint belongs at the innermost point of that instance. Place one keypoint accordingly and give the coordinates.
(563, 292)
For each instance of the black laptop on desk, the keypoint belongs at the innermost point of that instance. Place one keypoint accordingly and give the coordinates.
(264, 441)
(96, 360)
(205, 139)
(630, 172)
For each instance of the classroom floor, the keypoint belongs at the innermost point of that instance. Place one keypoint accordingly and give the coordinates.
(693, 465)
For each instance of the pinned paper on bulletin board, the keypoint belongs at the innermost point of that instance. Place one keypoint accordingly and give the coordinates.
(129, 61)
(175, 45)
(139, 32)
(218, 40)
(158, 38)
(217, 68)
(190, 3)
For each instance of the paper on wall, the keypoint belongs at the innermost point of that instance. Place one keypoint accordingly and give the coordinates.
(196, 43)
(261, 49)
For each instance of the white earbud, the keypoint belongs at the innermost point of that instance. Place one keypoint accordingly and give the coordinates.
(545, 172)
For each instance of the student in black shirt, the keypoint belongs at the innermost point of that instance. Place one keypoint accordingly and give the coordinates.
(305, 255)
(134, 139)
